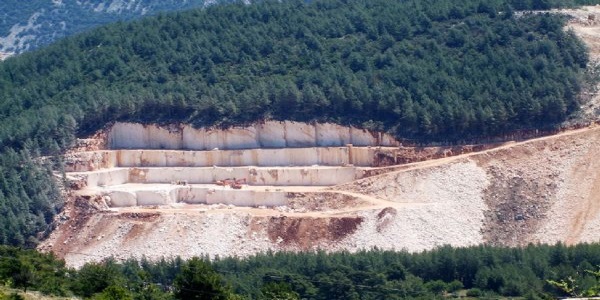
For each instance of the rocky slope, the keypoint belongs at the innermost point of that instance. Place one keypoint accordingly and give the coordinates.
(585, 22)
(544, 190)
(27, 25)
(541, 190)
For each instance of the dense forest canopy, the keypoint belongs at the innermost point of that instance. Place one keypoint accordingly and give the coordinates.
(421, 69)
(533, 272)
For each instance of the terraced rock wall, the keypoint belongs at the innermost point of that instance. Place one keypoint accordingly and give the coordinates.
(196, 195)
(328, 156)
(275, 176)
(269, 134)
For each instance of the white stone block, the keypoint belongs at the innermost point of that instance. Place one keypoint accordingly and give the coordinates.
(122, 199)
(164, 138)
(127, 136)
(194, 139)
(361, 137)
(271, 134)
(106, 177)
(333, 156)
(300, 134)
(241, 138)
(192, 195)
(153, 197)
(329, 135)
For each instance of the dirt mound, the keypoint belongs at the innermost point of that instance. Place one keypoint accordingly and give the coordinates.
(309, 233)
(323, 201)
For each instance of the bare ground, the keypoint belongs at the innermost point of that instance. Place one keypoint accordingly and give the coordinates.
(543, 190)
(585, 23)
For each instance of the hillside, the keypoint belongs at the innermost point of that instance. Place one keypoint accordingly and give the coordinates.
(536, 191)
(298, 127)
(29, 25)
(493, 73)
(447, 71)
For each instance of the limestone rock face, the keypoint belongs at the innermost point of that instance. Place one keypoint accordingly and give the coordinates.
(280, 175)
(332, 135)
(270, 134)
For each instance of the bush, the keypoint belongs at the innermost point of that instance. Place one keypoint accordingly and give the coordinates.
(436, 287)
(455, 286)
(12, 296)
(474, 293)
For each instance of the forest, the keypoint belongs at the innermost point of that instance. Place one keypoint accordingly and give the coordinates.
(427, 70)
(532, 272)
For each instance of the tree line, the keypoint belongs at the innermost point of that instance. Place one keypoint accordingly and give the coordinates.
(532, 272)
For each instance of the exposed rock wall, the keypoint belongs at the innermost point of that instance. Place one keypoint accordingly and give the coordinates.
(293, 176)
(326, 156)
(270, 134)
(103, 177)
(90, 161)
(194, 195)
(232, 158)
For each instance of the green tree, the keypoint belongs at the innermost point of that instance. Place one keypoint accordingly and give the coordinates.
(114, 292)
(94, 278)
(278, 290)
(198, 280)
(437, 287)
(24, 275)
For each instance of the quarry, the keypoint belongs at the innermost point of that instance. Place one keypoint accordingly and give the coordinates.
(146, 190)
(186, 165)
(157, 191)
